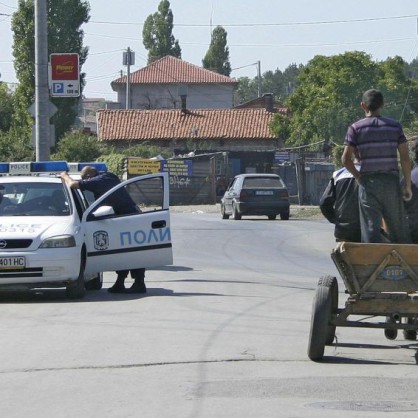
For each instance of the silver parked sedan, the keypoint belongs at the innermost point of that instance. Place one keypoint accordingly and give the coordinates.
(256, 194)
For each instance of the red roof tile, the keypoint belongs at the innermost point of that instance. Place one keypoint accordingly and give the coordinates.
(172, 123)
(173, 70)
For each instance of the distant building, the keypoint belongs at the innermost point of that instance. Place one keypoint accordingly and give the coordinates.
(87, 112)
(162, 84)
(264, 102)
(184, 130)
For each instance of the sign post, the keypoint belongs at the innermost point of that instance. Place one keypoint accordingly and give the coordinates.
(64, 75)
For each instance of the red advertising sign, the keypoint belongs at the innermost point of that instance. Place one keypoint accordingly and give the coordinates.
(64, 67)
(64, 77)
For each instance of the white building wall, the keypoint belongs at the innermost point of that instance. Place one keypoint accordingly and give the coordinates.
(166, 96)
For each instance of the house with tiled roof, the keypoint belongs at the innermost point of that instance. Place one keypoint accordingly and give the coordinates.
(243, 133)
(219, 129)
(185, 109)
(167, 81)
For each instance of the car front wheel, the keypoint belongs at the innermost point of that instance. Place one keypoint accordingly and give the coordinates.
(77, 289)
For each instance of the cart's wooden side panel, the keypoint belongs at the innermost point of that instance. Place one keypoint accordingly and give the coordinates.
(378, 267)
(362, 253)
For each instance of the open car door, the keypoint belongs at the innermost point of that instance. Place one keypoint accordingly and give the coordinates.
(139, 240)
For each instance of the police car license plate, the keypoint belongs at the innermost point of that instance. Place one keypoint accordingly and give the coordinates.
(7, 263)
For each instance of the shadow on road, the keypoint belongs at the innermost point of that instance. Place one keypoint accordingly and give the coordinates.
(338, 359)
(59, 296)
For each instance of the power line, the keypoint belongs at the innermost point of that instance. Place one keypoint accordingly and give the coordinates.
(320, 22)
(372, 41)
(6, 5)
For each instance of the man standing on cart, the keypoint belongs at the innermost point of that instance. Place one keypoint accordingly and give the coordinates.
(377, 140)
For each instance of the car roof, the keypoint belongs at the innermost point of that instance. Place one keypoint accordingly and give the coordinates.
(257, 175)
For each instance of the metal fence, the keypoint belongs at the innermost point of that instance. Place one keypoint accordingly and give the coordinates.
(207, 180)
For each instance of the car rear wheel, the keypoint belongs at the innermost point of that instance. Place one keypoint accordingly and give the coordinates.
(235, 214)
(224, 215)
(284, 216)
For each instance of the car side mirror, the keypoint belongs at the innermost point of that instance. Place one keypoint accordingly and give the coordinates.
(103, 211)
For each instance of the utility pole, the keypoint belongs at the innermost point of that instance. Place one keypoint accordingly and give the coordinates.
(128, 60)
(42, 128)
(259, 78)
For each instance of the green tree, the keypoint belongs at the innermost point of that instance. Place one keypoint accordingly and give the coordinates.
(329, 92)
(6, 107)
(146, 151)
(280, 84)
(77, 147)
(15, 145)
(217, 56)
(65, 35)
(280, 126)
(115, 160)
(247, 90)
(412, 69)
(327, 97)
(399, 90)
(157, 34)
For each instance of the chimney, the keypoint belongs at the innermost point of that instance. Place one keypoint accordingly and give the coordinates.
(182, 92)
(183, 98)
(268, 102)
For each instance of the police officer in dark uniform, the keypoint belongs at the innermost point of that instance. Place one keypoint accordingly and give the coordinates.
(122, 203)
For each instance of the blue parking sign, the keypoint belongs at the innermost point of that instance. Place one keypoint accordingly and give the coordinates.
(58, 88)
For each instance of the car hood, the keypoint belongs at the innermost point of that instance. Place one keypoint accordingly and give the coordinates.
(22, 227)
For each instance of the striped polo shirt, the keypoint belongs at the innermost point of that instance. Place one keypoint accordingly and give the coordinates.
(376, 139)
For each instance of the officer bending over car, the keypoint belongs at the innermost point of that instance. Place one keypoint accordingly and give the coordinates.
(122, 203)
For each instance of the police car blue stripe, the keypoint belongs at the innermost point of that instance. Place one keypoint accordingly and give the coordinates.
(129, 250)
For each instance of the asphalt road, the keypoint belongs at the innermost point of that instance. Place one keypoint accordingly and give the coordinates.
(221, 333)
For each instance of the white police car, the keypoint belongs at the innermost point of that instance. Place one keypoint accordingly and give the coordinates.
(51, 237)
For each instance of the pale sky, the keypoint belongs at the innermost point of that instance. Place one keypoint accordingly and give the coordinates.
(276, 33)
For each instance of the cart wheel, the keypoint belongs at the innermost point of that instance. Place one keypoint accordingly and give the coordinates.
(321, 332)
(334, 307)
(410, 334)
(390, 334)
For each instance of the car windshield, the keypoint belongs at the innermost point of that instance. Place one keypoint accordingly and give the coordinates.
(263, 182)
(33, 199)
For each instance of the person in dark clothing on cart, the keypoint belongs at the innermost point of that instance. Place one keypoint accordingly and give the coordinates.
(122, 203)
(339, 205)
(411, 206)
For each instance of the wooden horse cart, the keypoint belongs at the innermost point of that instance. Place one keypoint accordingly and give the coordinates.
(381, 280)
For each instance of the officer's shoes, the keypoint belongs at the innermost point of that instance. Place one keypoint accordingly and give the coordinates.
(117, 288)
(138, 288)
